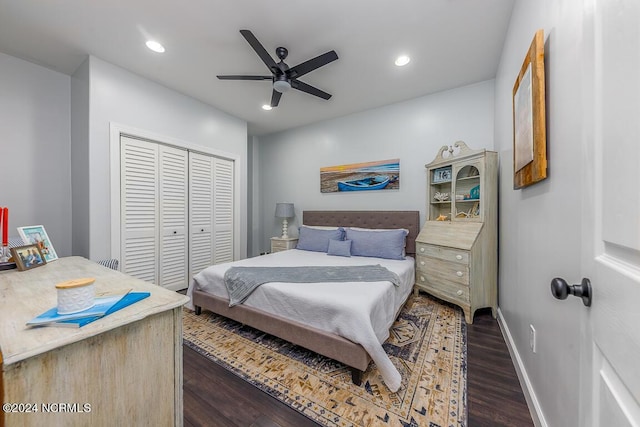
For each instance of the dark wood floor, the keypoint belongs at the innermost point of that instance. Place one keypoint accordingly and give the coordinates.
(216, 397)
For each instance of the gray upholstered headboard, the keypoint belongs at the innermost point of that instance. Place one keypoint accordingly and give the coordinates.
(369, 219)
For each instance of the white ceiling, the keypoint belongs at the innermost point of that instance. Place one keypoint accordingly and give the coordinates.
(451, 43)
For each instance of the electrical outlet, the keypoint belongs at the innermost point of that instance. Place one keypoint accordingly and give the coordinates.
(532, 338)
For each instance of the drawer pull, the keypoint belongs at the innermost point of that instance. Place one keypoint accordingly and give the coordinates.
(458, 257)
(421, 249)
(459, 273)
(422, 278)
(422, 263)
(459, 293)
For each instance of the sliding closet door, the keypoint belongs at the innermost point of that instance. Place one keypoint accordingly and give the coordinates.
(210, 210)
(223, 211)
(176, 212)
(200, 212)
(173, 178)
(139, 208)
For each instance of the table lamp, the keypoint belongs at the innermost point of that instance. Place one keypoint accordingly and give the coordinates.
(284, 211)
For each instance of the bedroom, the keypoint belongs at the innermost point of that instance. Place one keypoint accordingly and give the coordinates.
(45, 147)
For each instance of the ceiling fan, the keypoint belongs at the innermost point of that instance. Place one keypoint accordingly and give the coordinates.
(283, 77)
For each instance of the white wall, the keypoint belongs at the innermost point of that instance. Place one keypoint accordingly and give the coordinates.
(80, 190)
(540, 225)
(413, 131)
(35, 150)
(117, 95)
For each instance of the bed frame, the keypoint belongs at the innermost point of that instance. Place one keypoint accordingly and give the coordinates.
(321, 342)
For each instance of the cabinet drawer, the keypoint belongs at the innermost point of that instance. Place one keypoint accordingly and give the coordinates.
(450, 291)
(448, 254)
(437, 270)
(278, 246)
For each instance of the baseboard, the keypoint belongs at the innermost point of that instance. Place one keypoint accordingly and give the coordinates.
(525, 383)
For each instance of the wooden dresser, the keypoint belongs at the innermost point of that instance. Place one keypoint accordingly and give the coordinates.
(456, 250)
(123, 369)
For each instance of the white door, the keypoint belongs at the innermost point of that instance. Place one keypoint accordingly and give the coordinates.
(173, 201)
(223, 211)
(610, 353)
(201, 210)
(139, 216)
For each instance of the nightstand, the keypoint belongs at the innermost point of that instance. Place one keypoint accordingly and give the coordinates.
(279, 244)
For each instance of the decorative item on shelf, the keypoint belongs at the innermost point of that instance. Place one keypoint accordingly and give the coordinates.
(475, 210)
(472, 172)
(442, 218)
(284, 211)
(28, 256)
(442, 175)
(475, 192)
(441, 197)
(37, 235)
(460, 196)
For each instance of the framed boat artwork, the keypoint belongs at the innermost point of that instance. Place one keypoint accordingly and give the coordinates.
(365, 176)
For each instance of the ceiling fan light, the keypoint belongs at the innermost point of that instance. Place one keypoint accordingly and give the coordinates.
(281, 86)
(155, 46)
(402, 60)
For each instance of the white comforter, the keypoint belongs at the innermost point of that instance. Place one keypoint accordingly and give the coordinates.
(362, 312)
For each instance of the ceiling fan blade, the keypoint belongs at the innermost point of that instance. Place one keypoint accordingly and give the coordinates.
(275, 98)
(260, 50)
(245, 77)
(297, 84)
(312, 64)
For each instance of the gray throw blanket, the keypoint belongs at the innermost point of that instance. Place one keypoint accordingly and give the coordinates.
(242, 281)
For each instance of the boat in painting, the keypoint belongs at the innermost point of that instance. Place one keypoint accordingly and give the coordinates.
(377, 182)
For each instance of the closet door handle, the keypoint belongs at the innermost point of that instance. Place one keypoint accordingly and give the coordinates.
(459, 273)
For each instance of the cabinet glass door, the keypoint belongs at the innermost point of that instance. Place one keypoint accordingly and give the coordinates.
(467, 195)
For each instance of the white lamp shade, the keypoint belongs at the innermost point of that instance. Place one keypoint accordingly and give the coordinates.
(284, 210)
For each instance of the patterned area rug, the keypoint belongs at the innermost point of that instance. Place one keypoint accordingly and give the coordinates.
(427, 345)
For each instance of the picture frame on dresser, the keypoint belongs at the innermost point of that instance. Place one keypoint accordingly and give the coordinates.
(37, 235)
(27, 257)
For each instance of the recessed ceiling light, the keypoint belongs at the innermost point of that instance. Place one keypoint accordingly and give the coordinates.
(155, 46)
(267, 107)
(402, 60)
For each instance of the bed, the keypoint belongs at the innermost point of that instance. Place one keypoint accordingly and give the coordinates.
(338, 330)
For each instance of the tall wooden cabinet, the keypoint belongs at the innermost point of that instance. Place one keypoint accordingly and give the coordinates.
(176, 214)
(456, 250)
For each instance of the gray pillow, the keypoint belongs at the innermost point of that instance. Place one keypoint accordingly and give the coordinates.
(313, 239)
(388, 244)
(339, 248)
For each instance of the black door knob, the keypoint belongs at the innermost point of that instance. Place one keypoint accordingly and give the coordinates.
(560, 289)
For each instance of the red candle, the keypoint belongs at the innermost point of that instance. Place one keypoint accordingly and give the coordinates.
(5, 226)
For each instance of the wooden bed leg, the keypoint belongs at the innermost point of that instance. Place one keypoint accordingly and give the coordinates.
(356, 376)
(198, 310)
